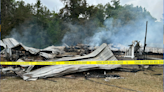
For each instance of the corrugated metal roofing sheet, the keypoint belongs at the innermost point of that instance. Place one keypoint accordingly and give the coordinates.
(10, 42)
(2, 44)
(102, 53)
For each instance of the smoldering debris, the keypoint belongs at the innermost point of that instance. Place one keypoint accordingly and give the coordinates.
(15, 51)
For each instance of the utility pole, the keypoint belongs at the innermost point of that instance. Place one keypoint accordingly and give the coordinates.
(145, 38)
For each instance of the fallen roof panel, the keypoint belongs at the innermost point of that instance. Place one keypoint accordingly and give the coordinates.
(93, 54)
(102, 53)
(2, 44)
(10, 42)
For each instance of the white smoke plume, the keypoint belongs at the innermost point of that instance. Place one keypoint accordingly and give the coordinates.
(119, 35)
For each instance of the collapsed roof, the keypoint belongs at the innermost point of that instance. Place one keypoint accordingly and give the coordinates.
(11, 44)
(101, 53)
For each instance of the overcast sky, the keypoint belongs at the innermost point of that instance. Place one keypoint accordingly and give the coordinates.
(155, 7)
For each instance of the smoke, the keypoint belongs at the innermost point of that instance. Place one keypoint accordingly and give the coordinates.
(75, 35)
(116, 32)
(30, 34)
(113, 31)
(78, 33)
(127, 33)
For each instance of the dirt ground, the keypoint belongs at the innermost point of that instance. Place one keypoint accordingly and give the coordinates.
(143, 81)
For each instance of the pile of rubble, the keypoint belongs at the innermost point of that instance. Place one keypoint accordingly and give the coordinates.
(15, 51)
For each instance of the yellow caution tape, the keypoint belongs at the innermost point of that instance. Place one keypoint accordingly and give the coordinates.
(122, 62)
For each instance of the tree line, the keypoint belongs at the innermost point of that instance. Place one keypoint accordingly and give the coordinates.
(39, 27)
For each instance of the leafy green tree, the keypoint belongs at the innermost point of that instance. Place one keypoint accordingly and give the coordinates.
(55, 30)
(7, 8)
(14, 13)
(116, 3)
(97, 13)
(74, 9)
